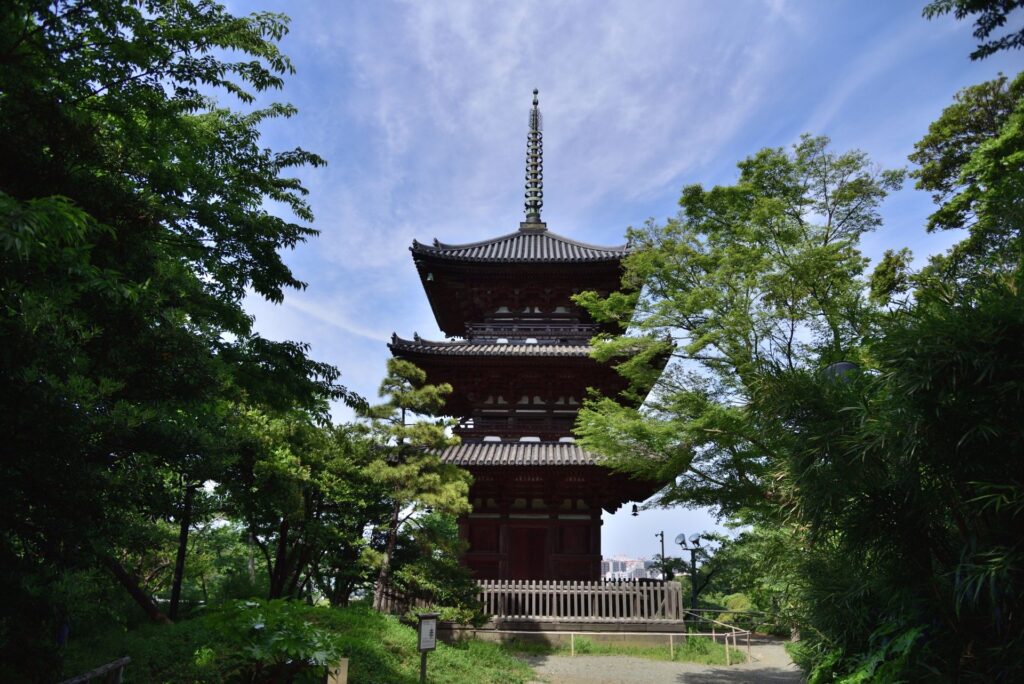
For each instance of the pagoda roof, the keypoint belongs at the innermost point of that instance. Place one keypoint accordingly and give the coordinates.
(518, 454)
(523, 246)
(466, 348)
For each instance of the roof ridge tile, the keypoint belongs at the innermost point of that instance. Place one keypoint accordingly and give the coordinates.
(518, 453)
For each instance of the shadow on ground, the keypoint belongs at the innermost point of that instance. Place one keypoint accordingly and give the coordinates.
(771, 666)
(758, 676)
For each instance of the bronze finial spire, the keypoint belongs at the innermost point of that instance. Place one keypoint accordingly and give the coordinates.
(534, 170)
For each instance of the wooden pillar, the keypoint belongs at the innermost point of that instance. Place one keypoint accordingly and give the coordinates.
(551, 569)
(503, 539)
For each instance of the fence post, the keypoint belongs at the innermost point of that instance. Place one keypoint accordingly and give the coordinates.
(671, 647)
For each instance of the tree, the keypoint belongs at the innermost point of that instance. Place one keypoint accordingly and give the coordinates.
(425, 565)
(132, 222)
(892, 487)
(972, 161)
(357, 504)
(992, 15)
(409, 466)
(749, 279)
(904, 481)
(763, 565)
(302, 493)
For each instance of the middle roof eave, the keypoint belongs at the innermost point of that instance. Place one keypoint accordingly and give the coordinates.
(398, 345)
(518, 454)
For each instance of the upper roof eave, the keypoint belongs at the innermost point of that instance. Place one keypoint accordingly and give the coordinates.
(522, 247)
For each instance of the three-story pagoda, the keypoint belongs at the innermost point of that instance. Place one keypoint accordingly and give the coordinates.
(518, 360)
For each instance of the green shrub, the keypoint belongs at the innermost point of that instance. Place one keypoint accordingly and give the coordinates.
(159, 653)
(280, 641)
(268, 641)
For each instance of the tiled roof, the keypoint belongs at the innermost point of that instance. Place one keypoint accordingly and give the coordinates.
(463, 348)
(517, 453)
(523, 246)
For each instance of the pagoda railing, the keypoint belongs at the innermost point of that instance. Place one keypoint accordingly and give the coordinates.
(594, 601)
(521, 424)
(545, 333)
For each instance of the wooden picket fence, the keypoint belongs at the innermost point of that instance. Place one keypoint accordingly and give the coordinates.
(397, 603)
(570, 601)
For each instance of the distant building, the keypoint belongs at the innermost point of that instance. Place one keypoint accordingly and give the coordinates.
(623, 568)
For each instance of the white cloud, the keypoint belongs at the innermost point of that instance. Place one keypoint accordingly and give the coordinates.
(334, 316)
(876, 62)
(440, 92)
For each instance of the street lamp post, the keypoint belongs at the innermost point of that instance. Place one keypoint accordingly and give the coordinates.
(693, 548)
(664, 572)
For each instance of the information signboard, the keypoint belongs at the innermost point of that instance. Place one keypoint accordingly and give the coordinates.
(428, 640)
(428, 634)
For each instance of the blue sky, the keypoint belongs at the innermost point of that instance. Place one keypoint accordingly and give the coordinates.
(421, 108)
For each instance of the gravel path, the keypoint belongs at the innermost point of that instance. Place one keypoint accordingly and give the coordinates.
(771, 665)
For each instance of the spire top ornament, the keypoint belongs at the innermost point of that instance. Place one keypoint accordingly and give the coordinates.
(534, 169)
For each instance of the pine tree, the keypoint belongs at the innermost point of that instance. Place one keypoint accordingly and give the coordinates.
(409, 465)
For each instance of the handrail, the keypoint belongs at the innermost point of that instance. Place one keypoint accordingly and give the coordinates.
(704, 619)
(750, 619)
(672, 636)
(733, 632)
(114, 671)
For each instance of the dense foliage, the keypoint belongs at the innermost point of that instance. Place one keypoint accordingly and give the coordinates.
(155, 446)
(268, 641)
(414, 479)
(755, 278)
(867, 429)
(992, 16)
(132, 225)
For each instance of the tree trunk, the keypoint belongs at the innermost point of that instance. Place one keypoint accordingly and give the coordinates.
(131, 583)
(385, 566)
(341, 591)
(179, 563)
(294, 587)
(252, 557)
(279, 571)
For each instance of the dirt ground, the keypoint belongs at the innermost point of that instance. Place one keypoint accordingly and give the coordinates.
(770, 665)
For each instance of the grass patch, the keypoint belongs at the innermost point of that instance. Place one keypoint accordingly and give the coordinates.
(380, 649)
(695, 649)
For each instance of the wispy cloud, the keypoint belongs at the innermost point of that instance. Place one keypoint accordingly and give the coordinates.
(332, 316)
(624, 90)
(871, 64)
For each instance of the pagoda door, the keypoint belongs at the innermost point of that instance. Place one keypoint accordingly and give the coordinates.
(528, 553)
